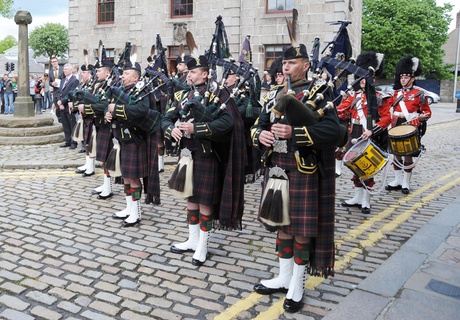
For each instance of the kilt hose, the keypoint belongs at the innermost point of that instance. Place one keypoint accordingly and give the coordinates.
(133, 159)
(104, 143)
(206, 181)
(311, 206)
(87, 130)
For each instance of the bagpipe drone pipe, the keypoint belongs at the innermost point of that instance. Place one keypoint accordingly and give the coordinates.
(149, 83)
(206, 110)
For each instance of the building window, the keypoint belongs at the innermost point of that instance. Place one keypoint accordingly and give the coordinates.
(275, 6)
(106, 11)
(181, 8)
(271, 53)
(173, 53)
(110, 53)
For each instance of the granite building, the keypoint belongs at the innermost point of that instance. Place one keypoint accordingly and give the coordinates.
(116, 22)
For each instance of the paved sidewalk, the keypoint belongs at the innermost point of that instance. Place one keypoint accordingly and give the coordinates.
(420, 281)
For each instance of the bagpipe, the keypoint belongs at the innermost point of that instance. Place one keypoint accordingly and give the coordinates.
(306, 111)
(143, 88)
(206, 109)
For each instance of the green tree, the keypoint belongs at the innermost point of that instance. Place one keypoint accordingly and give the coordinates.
(6, 8)
(7, 42)
(407, 28)
(50, 39)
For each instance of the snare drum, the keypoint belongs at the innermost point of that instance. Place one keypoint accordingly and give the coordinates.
(404, 140)
(365, 159)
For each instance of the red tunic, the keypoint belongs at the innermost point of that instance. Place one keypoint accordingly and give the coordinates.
(351, 106)
(415, 102)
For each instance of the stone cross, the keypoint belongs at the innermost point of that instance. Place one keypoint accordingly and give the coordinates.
(23, 106)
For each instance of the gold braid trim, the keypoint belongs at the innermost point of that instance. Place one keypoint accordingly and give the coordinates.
(302, 136)
(202, 130)
(120, 112)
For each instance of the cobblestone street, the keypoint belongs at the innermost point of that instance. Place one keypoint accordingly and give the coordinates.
(62, 256)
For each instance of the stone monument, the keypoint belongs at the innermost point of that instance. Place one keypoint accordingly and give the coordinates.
(23, 106)
(24, 127)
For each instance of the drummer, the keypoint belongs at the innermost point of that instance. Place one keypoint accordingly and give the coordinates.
(409, 107)
(356, 108)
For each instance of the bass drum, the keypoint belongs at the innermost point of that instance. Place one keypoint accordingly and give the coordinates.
(365, 159)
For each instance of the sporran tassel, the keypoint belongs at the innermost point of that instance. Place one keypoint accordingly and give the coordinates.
(92, 145)
(264, 211)
(113, 160)
(173, 177)
(276, 208)
(77, 134)
(181, 182)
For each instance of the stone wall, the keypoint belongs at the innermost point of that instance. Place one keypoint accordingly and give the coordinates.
(140, 21)
(447, 90)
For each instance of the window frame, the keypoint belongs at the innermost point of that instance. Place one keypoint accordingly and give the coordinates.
(187, 4)
(106, 13)
(173, 53)
(277, 51)
(278, 11)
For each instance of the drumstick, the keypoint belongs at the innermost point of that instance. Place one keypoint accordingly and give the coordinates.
(375, 131)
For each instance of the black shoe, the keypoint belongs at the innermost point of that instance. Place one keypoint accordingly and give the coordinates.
(130, 224)
(405, 190)
(261, 289)
(197, 262)
(390, 188)
(174, 249)
(87, 174)
(95, 192)
(348, 205)
(64, 145)
(82, 151)
(80, 171)
(73, 146)
(118, 217)
(291, 306)
(366, 210)
(104, 197)
(270, 228)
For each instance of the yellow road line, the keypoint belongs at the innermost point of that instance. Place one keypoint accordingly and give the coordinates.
(359, 230)
(39, 175)
(274, 311)
(239, 306)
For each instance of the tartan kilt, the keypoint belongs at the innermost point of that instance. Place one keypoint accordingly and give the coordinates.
(153, 186)
(310, 195)
(133, 160)
(87, 130)
(104, 143)
(206, 181)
